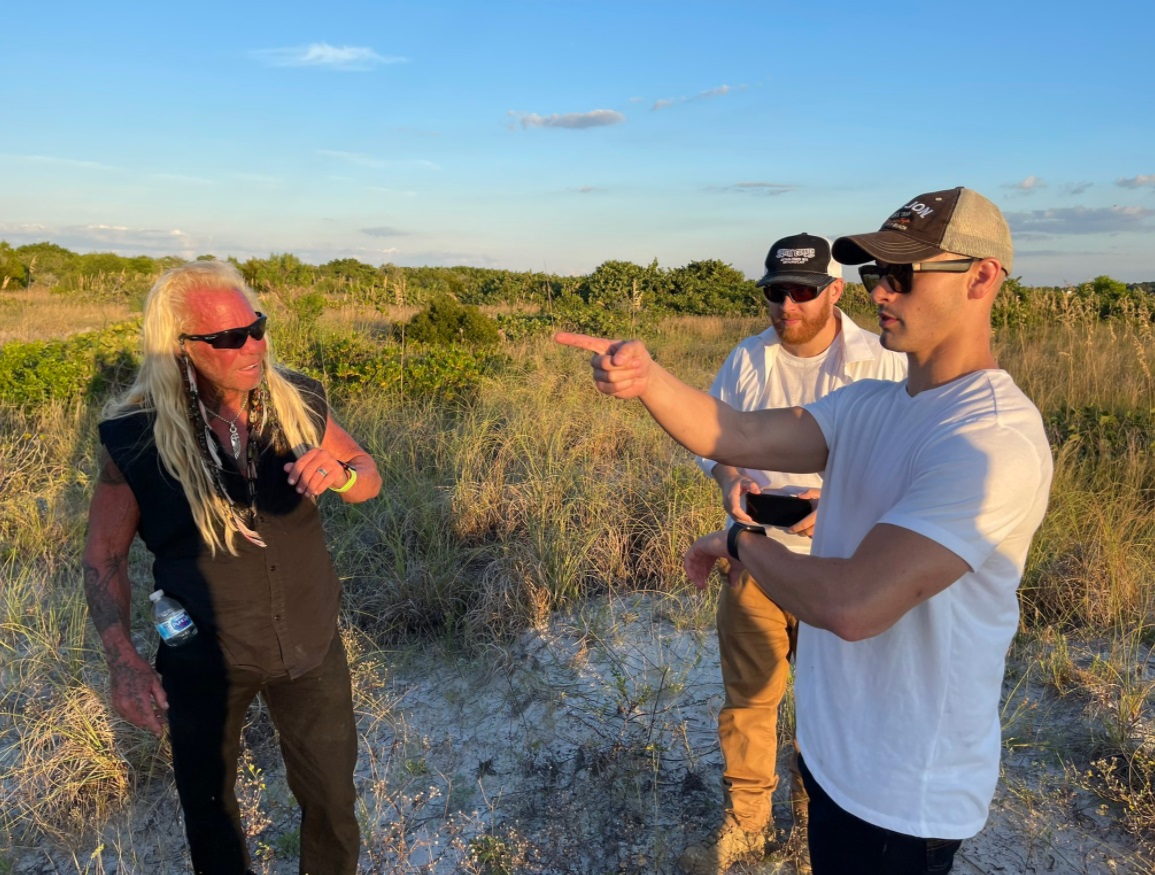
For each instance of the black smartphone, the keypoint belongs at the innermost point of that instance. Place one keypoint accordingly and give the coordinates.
(777, 510)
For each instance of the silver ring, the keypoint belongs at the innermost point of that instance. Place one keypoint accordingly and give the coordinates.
(324, 473)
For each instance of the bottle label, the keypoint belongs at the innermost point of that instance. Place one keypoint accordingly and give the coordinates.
(173, 626)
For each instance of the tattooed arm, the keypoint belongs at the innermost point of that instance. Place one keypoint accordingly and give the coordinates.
(113, 516)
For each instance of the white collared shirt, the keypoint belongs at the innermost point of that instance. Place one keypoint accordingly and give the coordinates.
(760, 374)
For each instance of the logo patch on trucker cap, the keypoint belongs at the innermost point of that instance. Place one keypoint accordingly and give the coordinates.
(800, 258)
(901, 219)
(795, 256)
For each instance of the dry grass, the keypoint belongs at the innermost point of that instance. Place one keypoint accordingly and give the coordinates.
(39, 314)
(493, 518)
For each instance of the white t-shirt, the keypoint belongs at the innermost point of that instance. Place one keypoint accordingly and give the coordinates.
(902, 730)
(759, 374)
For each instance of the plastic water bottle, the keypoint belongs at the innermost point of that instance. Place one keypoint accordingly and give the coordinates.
(172, 621)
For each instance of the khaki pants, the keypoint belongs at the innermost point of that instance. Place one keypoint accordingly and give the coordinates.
(756, 639)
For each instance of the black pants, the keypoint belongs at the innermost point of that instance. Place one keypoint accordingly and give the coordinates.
(314, 718)
(842, 844)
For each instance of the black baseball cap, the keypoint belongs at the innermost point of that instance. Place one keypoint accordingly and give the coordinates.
(803, 258)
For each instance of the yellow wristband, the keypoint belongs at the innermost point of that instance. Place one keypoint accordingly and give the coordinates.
(352, 472)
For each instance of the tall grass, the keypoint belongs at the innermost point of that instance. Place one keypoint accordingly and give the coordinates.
(534, 496)
(40, 314)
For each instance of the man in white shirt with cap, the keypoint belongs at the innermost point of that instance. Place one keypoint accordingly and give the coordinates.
(933, 490)
(810, 349)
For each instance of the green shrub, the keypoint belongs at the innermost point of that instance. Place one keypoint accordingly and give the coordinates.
(353, 364)
(84, 366)
(445, 322)
(1102, 433)
(573, 314)
(518, 325)
(856, 300)
(307, 308)
(13, 273)
(710, 288)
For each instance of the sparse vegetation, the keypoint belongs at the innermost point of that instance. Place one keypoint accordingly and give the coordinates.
(513, 492)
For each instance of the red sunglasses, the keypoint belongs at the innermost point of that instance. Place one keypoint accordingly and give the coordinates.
(776, 293)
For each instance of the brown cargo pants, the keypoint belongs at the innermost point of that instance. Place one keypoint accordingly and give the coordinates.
(756, 639)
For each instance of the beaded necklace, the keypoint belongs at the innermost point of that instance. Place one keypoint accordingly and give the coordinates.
(242, 519)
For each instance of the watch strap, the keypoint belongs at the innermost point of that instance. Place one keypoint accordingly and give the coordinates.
(732, 537)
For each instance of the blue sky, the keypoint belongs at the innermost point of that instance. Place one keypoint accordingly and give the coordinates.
(556, 135)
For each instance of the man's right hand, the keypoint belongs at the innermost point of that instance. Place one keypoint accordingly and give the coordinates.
(620, 367)
(734, 484)
(137, 693)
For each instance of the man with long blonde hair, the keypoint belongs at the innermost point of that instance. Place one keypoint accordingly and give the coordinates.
(215, 457)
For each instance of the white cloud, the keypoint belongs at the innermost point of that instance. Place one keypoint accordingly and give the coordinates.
(121, 239)
(1146, 179)
(1076, 187)
(384, 231)
(1041, 224)
(1027, 186)
(701, 95)
(352, 58)
(761, 189)
(181, 178)
(61, 162)
(363, 160)
(596, 118)
(448, 258)
(259, 179)
(381, 190)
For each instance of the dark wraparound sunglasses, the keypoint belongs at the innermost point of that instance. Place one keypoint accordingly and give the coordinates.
(776, 293)
(231, 338)
(900, 277)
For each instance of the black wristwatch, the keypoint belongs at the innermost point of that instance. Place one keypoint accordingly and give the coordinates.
(735, 531)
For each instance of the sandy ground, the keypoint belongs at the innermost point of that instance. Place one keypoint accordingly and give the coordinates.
(586, 747)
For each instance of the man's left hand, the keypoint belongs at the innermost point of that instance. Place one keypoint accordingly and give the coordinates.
(316, 471)
(704, 553)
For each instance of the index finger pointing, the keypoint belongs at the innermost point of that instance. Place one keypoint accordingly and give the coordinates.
(597, 345)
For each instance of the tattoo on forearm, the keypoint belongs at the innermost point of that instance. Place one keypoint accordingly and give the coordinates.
(109, 473)
(102, 604)
(135, 686)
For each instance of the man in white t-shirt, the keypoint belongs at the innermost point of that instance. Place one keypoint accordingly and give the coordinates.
(810, 350)
(933, 489)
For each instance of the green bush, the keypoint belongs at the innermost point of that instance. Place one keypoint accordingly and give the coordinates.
(445, 322)
(87, 366)
(518, 325)
(13, 273)
(1102, 433)
(710, 288)
(352, 364)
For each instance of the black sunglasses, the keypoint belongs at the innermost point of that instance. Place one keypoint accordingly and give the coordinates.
(776, 293)
(231, 338)
(900, 277)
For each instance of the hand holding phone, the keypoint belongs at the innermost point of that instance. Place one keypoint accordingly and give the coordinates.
(777, 510)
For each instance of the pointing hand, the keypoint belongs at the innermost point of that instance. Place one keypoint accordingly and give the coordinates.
(621, 368)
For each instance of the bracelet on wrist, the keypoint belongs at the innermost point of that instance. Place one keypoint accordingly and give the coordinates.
(351, 473)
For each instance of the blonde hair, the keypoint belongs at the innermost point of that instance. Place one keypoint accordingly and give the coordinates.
(158, 388)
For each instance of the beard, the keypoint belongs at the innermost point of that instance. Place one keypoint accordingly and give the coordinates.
(804, 330)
